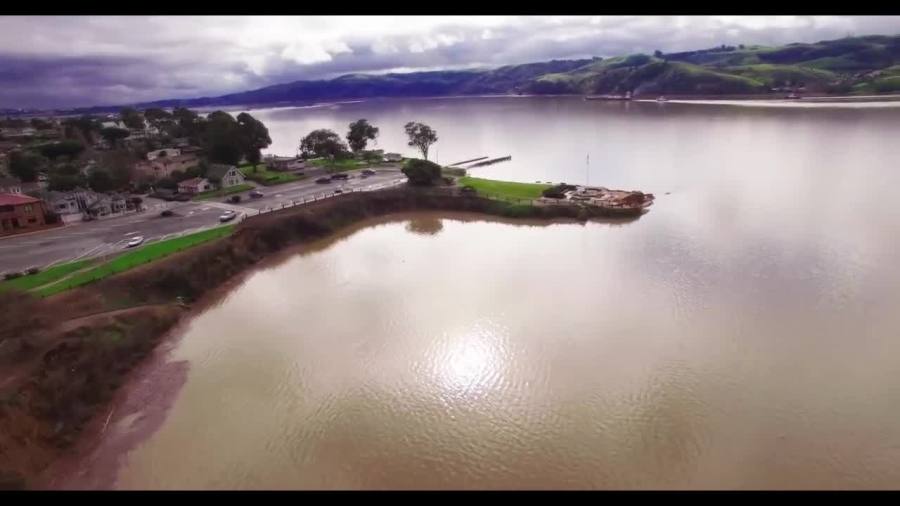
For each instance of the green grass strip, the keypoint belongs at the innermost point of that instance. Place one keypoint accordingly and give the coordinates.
(504, 189)
(266, 177)
(132, 259)
(50, 275)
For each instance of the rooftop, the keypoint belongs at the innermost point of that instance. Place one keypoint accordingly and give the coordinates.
(9, 199)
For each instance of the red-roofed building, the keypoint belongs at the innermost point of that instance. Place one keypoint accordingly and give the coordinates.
(20, 213)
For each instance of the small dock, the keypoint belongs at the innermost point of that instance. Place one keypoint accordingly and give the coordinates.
(491, 161)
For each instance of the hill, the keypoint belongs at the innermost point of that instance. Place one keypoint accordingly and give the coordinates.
(852, 65)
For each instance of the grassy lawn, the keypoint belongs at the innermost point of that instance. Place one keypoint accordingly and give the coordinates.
(340, 165)
(266, 177)
(42, 278)
(504, 189)
(148, 253)
(223, 192)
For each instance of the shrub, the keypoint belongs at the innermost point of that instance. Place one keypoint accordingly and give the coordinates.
(33, 270)
(558, 191)
(421, 172)
(12, 275)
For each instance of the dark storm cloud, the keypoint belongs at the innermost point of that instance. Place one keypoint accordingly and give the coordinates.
(75, 61)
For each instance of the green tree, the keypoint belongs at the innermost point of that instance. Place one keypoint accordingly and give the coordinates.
(360, 133)
(420, 136)
(322, 143)
(222, 138)
(25, 165)
(421, 172)
(658, 53)
(66, 148)
(100, 181)
(64, 182)
(114, 135)
(155, 115)
(254, 136)
(131, 117)
(167, 183)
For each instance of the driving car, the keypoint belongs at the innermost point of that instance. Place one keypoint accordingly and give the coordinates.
(368, 172)
(227, 216)
(134, 241)
(167, 213)
(340, 175)
(323, 180)
(256, 194)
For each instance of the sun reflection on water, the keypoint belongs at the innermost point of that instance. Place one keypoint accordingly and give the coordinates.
(470, 361)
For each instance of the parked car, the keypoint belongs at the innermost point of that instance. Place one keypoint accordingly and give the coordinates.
(323, 180)
(338, 191)
(167, 213)
(227, 216)
(135, 241)
(256, 194)
(368, 172)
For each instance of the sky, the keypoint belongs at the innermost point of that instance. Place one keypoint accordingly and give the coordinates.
(74, 61)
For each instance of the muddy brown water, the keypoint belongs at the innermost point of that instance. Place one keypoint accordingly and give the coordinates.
(743, 334)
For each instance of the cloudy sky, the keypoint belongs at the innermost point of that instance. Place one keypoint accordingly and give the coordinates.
(94, 60)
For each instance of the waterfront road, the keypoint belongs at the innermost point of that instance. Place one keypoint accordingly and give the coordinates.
(104, 237)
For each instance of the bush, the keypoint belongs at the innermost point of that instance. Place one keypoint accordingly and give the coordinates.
(12, 275)
(558, 191)
(421, 172)
(33, 270)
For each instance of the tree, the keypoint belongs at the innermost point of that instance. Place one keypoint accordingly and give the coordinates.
(100, 181)
(658, 53)
(421, 172)
(55, 150)
(113, 135)
(167, 183)
(360, 133)
(132, 118)
(156, 115)
(25, 165)
(322, 143)
(222, 139)
(420, 136)
(64, 182)
(254, 136)
(41, 124)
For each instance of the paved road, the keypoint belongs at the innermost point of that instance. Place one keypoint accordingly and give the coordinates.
(97, 238)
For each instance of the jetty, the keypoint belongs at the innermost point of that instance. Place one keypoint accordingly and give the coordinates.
(467, 161)
(491, 161)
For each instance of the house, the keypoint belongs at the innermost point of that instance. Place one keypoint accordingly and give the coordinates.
(106, 205)
(163, 166)
(167, 152)
(10, 185)
(392, 157)
(71, 205)
(225, 176)
(195, 185)
(20, 213)
(285, 163)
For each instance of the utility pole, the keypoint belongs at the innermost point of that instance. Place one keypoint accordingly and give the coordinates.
(587, 170)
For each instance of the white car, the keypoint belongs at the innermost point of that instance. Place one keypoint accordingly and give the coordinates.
(135, 241)
(227, 216)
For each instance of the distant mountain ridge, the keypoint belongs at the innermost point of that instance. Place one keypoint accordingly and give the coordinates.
(852, 65)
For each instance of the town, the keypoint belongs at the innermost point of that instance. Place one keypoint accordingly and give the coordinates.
(90, 186)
